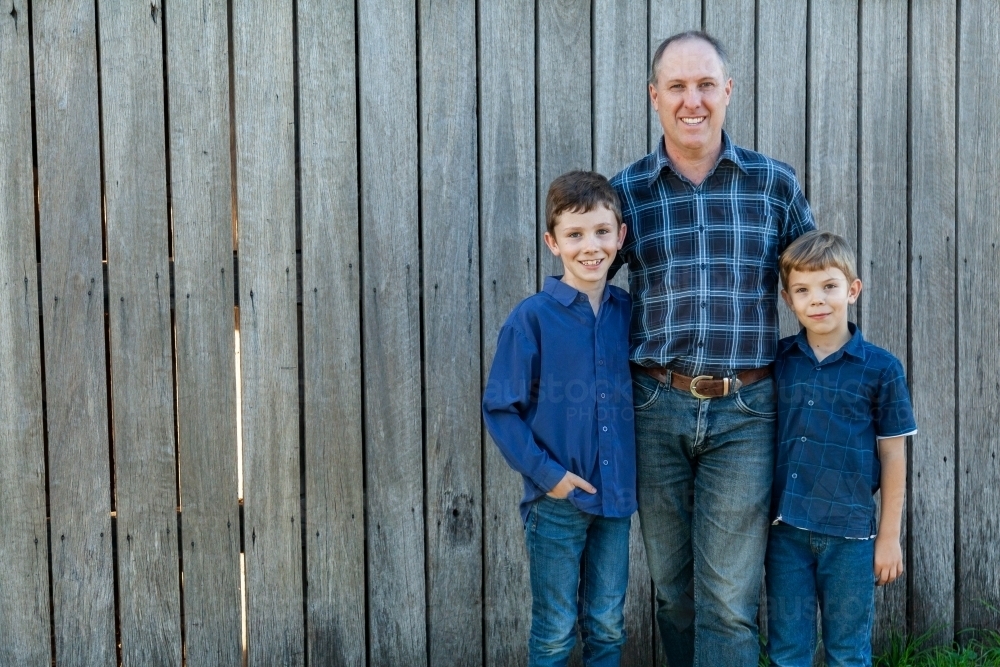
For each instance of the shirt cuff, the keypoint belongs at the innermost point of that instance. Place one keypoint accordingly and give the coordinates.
(898, 435)
(549, 476)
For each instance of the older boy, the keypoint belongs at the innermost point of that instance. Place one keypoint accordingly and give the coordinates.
(558, 404)
(843, 415)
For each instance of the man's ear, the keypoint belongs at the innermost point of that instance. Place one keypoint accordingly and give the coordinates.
(550, 241)
(854, 290)
(653, 97)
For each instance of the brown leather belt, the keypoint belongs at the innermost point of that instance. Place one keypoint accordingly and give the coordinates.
(706, 386)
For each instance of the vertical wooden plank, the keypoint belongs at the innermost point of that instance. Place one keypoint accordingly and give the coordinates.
(335, 528)
(450, 259)
(69, 196)
(201, 188)
(832, 153)
(781, 95)
(978, 319)
(932, 318)
(24, 599)
(883, 251)
(620, 134)
(666, 18)
(391, 317)
(735, 23)
(135, 191)
(507, 248)
(564, 104)
(265, 187)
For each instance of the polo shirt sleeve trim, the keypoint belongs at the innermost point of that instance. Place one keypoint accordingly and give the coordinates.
(898, 435)
(507, 405)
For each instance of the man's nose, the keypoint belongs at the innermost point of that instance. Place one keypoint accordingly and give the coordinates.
(692, 98)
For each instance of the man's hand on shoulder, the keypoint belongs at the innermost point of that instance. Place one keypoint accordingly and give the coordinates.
(567, 484)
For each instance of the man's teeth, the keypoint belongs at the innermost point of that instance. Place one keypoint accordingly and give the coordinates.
(692, 121)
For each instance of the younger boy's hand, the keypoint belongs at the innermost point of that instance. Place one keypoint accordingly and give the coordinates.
(567, 484)
(888, 560)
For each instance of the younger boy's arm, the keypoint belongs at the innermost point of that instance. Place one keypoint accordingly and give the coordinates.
(888, 554)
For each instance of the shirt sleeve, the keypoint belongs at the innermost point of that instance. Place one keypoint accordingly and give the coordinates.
(507, 402)
(798, 216)
(894, 414)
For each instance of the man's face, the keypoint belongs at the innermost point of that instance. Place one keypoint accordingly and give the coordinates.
(690, 96)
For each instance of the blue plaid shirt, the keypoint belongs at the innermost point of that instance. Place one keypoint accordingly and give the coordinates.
(830, 415)
(703, 260)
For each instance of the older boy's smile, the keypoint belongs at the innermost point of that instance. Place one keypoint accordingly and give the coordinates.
(586, 243)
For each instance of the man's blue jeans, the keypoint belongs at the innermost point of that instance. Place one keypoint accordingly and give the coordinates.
(579, 570)
(704, 489)
(803, 567)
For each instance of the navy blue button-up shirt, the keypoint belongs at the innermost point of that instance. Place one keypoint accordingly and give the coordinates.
(703, 260)
(830, 415)
(559, 397)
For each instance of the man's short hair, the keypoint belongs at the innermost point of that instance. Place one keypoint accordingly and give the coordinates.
(684, 36)
(579, 192)
(817, 251)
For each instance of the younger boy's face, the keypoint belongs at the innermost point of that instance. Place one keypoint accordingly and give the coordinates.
(819, 299)
(587, 244)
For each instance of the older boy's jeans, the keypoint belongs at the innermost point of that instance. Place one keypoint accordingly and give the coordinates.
(579, 569)
(803, 566)
(704, 488)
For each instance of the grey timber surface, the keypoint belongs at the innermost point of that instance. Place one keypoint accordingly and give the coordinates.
(564, 105)
(882, 250)
(931, 493)
(24, 550)
(265, 186)
(204, 284)
(135, 193)
(734, 22)
(331, 334)
(507, 246)
(449, 199)
(978, 577)
(390, 239)
(70, 236)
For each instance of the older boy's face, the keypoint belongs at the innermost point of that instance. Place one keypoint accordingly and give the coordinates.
(587, 244)
(820, 299)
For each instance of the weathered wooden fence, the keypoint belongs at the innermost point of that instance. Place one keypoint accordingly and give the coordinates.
(363, 181)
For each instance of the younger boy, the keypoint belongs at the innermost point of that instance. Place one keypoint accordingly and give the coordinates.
(558, 404)
(843, 414)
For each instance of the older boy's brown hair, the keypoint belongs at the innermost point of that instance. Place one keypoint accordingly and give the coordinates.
(579, 192)
(815, 251)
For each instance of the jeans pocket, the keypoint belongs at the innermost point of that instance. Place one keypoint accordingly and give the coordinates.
(758, 401)
(644, 396)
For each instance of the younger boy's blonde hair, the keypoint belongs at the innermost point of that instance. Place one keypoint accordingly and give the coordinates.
(815, 251)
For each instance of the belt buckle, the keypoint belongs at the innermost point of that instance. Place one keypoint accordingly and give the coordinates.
(694, 386)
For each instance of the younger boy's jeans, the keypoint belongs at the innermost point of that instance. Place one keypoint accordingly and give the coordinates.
(579, 570)
(803, 567)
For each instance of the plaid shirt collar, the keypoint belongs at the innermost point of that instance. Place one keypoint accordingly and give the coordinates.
(662, 161)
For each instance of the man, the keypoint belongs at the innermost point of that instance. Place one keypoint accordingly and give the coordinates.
(706, 223)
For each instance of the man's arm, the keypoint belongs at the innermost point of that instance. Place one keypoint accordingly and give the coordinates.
(888, 554)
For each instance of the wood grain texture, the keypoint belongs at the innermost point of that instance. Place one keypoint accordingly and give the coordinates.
(265, 186)
(832, 146)
(883, 253)
(450, 258)
(135, 187)
(201, 202)
(734, 22)
(666, 18)
(781, 96)
(69, 197)
(24, 590)
(331, 309)
(932, 318)
(391, 321)
(978, 578)
(564, 104)
(507, 247)
(620, 134)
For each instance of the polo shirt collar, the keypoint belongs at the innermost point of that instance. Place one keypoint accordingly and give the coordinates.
(566, 295)
(853, 347)
(662, 161)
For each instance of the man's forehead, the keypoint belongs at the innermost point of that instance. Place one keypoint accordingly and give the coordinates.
(688, 52)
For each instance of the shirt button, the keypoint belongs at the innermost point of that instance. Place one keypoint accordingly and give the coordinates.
(602, 396)
(810, 402)
(803, 438)
(701, 345)
(703, 304)
(606, 428)
(795, 475)
(704, 266)
(600, 362)
(605, 462)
